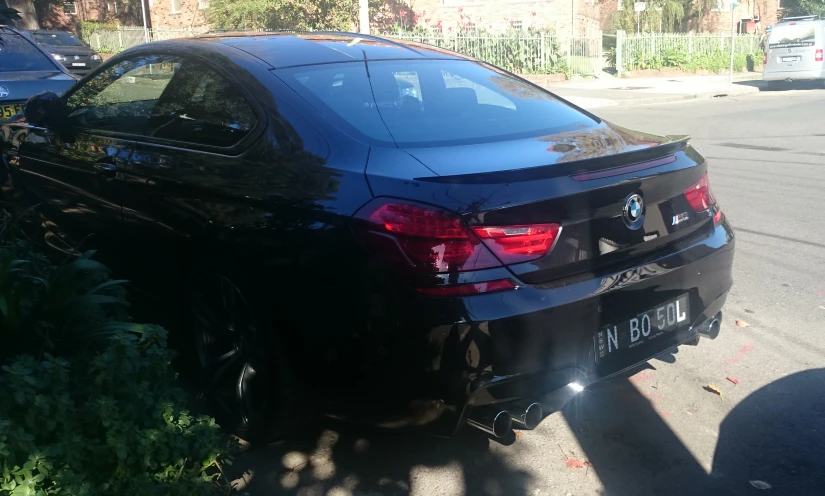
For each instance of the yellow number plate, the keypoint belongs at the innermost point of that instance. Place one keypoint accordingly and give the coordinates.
(9, 109)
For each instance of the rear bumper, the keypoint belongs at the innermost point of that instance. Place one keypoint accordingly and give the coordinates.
(793, 75)
(532, 343)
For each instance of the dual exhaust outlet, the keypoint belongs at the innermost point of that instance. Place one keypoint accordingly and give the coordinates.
(499, 423)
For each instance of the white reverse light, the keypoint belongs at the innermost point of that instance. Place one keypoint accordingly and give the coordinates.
(575, 386)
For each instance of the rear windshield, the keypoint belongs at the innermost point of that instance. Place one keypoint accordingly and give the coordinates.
(431, 102)
(19, 54)
(57, 39)
(793, 35)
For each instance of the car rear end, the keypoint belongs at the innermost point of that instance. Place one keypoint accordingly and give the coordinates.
(26, 70)
(795, 51)
(517, 249)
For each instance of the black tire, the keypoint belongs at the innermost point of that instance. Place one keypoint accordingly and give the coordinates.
(239, 357)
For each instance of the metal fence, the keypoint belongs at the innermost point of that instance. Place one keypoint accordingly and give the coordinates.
(653, 50)
(526, 53)
(115, 40)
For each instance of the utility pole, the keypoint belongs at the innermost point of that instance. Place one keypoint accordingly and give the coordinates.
(733, 6)
(145, 24)
(364, 16)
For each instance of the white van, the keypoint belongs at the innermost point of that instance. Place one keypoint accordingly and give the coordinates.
(794, 50)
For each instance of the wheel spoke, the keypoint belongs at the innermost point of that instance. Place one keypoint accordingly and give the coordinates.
(228, 297)
(207, 317)
(223, 369)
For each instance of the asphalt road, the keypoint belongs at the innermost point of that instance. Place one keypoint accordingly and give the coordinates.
(658, 431)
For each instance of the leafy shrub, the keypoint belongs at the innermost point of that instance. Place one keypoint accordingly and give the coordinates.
(88, 401)
(103, 423)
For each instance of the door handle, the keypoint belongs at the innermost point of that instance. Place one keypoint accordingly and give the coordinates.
(106, 169)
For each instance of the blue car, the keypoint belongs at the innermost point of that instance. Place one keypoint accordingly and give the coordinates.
(26, 70)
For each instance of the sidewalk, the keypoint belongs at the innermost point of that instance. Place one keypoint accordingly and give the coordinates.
(610, 91)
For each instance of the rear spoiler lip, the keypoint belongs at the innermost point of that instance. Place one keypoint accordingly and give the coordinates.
(596, 164)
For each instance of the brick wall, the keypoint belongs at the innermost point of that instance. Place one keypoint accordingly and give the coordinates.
(55, 16)
(189, 13)
(719, 20)
(495, 14)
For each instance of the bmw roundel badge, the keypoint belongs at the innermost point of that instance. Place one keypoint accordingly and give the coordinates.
(634, 209)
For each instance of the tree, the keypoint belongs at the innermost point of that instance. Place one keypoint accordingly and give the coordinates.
(803, 7)
(667, 15)
(7, 14)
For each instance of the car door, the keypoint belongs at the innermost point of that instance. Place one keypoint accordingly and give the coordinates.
(185, 170)
(74, 171)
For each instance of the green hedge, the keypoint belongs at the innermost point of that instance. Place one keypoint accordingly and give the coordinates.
(88, 402)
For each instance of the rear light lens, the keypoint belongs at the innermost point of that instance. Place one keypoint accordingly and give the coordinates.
(764, 58)
(421, 238)
(469, 289)
(700, 196)
(819, 55)
(516, 244)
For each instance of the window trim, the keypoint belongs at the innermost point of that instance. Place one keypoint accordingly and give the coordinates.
(260, 125)
(172, 7)
(201, 5)
(74, 10)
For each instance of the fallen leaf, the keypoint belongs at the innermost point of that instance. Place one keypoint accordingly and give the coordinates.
(689, 413)
(733, 380)
(741, 323)
(758, 484)
(713, 389)
(519, 433)
(573, 463)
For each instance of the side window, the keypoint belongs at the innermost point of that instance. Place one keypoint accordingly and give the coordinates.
(164, 96)
(201, 106)
(122, 98)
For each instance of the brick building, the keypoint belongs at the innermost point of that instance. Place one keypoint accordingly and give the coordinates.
(178, 13)
(566, 17)
(761, 13)
(65, 15)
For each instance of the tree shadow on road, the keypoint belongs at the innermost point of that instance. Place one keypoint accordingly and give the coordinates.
(341, 459)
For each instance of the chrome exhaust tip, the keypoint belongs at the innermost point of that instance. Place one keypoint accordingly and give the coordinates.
(497, 424)
(711, 331)
(530, 416)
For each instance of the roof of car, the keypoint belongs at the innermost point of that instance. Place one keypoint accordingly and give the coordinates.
(286, 49)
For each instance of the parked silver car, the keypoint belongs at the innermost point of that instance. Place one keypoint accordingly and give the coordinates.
(795, 50)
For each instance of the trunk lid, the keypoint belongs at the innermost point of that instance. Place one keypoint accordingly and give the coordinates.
(21, 85)
(583, 180)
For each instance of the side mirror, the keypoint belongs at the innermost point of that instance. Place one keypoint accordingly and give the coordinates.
(45, 109)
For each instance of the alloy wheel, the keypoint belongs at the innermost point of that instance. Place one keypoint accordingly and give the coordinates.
(230, 349)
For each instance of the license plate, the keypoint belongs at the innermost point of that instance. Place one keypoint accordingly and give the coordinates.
(9, 109)
(788, 59)
(643, 328)
(78, 64)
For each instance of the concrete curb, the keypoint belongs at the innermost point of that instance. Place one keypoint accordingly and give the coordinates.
(679, 98)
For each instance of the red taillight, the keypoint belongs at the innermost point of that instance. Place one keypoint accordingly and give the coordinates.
(764, 58)
(819, 55)
(515, 244)
(469, 289)
(422, 238)
(699, 195)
